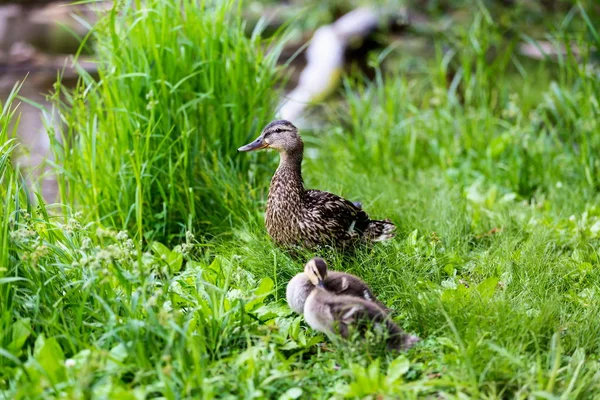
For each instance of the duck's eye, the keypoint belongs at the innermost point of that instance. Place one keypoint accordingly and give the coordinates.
(278, 130)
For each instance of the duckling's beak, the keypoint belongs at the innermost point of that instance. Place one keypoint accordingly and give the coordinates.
(258, 144)
(321, 284)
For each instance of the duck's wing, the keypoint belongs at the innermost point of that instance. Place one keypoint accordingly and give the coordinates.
(350, 285)
(344, 283)
(349, 311)
(362, 314)
(335, 213)
(337, 283)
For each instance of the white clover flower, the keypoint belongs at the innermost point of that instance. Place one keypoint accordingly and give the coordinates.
(104, 255)
(512, 109)
(151, 105)
(74, 223)
(151, 302)
(129, 245)
(105, 233)
(189, 236)
(95, 264)
(438, 97)
(86, 243)
(22, 235)
(147, 258)
(235, 294)
(122, 236)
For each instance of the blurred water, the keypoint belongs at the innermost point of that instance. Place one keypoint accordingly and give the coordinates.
(34, 149)
(34, 47)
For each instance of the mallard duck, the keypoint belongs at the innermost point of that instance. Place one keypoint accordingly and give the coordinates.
(310, 218)
(335, 314)
(299, 287)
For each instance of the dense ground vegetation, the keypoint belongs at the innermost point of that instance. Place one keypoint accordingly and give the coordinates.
(154, 277)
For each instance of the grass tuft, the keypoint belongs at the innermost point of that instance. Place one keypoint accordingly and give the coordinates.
(151, 145)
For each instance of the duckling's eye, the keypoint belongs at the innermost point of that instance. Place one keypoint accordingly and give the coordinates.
(278, 130)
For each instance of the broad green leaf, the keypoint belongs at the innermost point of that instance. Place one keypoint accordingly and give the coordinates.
(412, 238)
(264, 288)
(20, 332)
(211, 273)
(121, 393)
(116, 357)
(487, 288)
(50, 357)
(397, 368)
(160, 249)
(289, 345)
(173, 258)
(175, 261)
(294, 330)
(272, 310)
(292, 393)
(374, 371)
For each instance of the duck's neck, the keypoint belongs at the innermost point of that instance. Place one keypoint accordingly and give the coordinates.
(287, 180)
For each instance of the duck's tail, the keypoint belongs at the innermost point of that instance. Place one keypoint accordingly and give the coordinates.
(378, 231)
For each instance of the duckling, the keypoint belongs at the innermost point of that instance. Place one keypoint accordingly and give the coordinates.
(335, 282)
(331, 314)
(296, 216)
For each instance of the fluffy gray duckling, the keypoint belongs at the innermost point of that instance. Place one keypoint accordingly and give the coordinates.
(336, 314)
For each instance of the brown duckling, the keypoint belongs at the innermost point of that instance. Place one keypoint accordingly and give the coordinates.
(310, 218)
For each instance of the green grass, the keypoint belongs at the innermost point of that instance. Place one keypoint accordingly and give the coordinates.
(489, 167)
(148, 146)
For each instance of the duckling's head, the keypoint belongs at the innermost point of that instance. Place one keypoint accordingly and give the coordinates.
(316, 271)
(280, 135)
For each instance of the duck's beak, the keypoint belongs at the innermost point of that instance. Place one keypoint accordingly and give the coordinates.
(321, 284)
(258, 144)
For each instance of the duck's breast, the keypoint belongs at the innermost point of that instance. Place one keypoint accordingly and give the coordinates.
(297, 292)
(284, 211)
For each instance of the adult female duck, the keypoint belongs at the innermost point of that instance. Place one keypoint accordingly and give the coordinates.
(310, 218)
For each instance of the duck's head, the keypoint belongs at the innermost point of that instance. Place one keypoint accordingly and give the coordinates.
(316, 271)
(280, 135)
